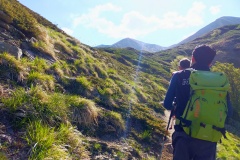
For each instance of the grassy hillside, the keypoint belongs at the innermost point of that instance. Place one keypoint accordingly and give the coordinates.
(225, 40)
(64, 99)
(61, 94)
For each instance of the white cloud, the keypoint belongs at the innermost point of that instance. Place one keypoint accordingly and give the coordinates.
(67, 30)
(215, 9)
(94, 14)
(134, 23)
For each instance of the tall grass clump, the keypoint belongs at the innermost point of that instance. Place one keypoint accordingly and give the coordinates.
(84, 82)
(37, 104)
(116, 120)
(44, 80)
(43, 142)
(70, 136)
(16, 100)
(39, 65)
(13, 66)
(100, 71)
(84, 112)
(41, 138)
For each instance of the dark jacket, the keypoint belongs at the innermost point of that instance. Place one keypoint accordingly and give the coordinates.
(179, 87)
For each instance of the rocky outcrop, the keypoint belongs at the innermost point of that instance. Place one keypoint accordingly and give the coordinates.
(14, 50)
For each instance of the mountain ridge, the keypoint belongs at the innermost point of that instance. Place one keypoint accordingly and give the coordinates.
(140, 46)
(135, 44)
(61, 99)
(220, 22)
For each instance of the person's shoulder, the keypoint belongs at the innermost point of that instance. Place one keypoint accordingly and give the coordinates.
(187, 70)
(184, 73)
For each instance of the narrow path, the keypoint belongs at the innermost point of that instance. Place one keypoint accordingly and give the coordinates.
(167, 150)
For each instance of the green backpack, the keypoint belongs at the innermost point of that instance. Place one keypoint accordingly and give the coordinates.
(206, 111)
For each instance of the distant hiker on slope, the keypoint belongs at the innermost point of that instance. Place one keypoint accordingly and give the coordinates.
(202, 107)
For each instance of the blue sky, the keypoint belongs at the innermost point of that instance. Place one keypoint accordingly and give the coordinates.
(161, 22)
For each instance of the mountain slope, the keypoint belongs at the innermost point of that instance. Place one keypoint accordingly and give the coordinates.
(61, 99)
(225, 40)
(220, 22)
(132, 43)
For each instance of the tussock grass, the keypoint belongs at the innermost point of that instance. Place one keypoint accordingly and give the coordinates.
(64, 142)
(57, 69)
(44, 80)
(70, 136)
(100, 71)
(84, 112)
(38, 65)
(84, 82)
(36, 104)
(229, 148)
(15, 68)
(41, 139)
(116, 120)
(16, 100)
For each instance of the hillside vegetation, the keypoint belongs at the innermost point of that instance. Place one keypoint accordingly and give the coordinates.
(61, 99)
(58, 96)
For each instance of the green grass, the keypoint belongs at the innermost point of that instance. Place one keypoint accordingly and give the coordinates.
(116, 119)
(44, 80)
(84, 82)
(51, 143)
(41, 139)
(145, 135)
(3, 156)
(229, 149)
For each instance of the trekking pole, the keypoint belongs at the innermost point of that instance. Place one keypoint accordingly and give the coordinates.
(165, 135)
(166, 132)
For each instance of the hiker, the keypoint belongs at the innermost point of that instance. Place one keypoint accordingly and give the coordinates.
(185, 146)
(184, 63)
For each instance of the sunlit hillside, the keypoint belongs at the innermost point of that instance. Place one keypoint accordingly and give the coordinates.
(61, 99)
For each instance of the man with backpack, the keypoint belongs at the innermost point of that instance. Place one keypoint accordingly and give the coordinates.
(202, 107)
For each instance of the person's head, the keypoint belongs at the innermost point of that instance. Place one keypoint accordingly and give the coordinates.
(184, 63)
(203, 54)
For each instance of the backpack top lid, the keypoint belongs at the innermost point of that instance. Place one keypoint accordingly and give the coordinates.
(208, 80)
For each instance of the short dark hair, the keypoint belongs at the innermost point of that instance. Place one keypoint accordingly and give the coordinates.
(203, 54)
(184, 63)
